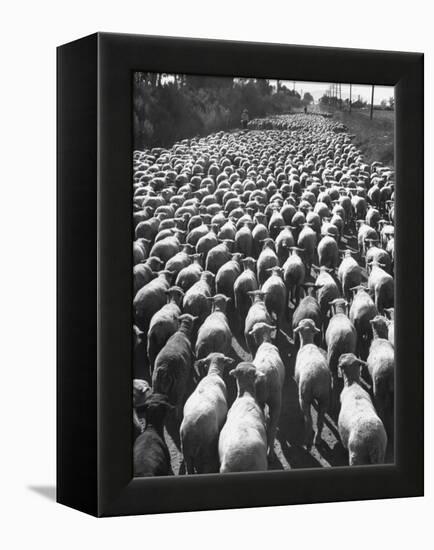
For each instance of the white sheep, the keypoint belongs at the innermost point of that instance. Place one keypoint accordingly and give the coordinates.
(215, 335)
(360, 428)
(313, 379)
(381, 366)
(269, 390)
(349, 274)
(341, 337)
(381, 286)
(258, 313)
(204, 415)
(243, 439)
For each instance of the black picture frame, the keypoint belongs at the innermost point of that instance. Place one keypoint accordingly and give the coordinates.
(94, 198)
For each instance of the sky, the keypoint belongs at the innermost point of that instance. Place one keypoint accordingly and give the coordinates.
(317, 89)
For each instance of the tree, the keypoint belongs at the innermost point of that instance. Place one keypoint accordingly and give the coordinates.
(392, 102)
(307, 98)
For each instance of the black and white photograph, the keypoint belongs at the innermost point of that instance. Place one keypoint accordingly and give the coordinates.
(263, 274)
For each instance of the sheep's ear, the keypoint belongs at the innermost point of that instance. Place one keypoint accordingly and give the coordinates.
(317, 330)
(233, 373)
(362, 363)
(297, 329)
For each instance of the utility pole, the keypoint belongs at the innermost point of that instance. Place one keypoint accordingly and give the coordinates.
(350, 97)
(372, 102)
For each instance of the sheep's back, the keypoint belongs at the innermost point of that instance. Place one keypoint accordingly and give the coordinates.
(311, 370)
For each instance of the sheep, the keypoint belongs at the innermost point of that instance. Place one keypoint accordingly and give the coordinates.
(166, 248)
(243, 440)
(313, 379)
(362, 310)
(150, 453)
(163, 324)
(275, 295)
(196, 301)
(376, 254)
(204, 415)
(361, 430)
(172, 368)
(360, 206)
(349, 274)
(294, 273)
(328, 252)
(138, 254)
(381, 286)
(196, 233)
(267, 361)
(190, 274)
(390, 311)
(258, 313)
(245, 283)
(364, 232)
(308, 308)
(141, 390)
(150, 298)
(244, 240)
(307, 240)
(227, 275)
(259, 234)
(372, 217)
(267, 259)
(381, 367)
(214, 334)
(218, 256)
(180, 260)
(227, 231)
(206, 243)
(284, 242)
(340, 337)
(143, 273)
(327, 292)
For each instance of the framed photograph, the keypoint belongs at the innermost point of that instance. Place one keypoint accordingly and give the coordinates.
(240, 274)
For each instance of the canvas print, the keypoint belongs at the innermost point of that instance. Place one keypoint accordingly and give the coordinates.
(263, 278)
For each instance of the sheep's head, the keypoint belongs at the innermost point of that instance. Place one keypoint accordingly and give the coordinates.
(155, 408)
(263, 332)
(207, 276)
(141, 390)
(307, 330)
(186, 322)
(246, 376)
(237, 256)
(167, 274)
(380, 326)
(229, 243)
(154, 262)
(220, 302)
(267, 243)
(249, 263)
(218, 361)
(339, 305)
(256, 295)
(175, 294)
(350, 366)
(275, 270)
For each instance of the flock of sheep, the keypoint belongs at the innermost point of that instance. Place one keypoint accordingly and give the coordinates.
(262, 258)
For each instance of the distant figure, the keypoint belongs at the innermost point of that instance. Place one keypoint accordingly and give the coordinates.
(305, 109)
(244, 119)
